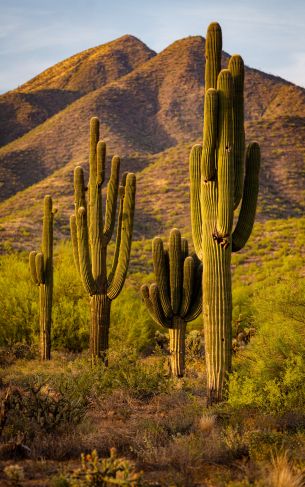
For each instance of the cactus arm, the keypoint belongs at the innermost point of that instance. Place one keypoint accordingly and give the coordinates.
(47, 230)
(184, 248)
(82, 232)
(118, 280)
(32, 265)
(84, 254)
(40, 271)
(175, 269)
(213, 46)
(156, 311)
(195, 308)
(100, 162)
(208, 163)
(225, 156)
(79, 188)
(73, 232)
(246, 217)
(98, 250)
(154, 297)
(94, 138)
(236, 67)
(161, 269)
(119, 230)
(95, 214)
(195, 193)
(112, 194)
(188, 284)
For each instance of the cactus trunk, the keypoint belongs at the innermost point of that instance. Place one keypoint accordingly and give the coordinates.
(100, 322)
(217, 316)
(45, 301)
(177, 346)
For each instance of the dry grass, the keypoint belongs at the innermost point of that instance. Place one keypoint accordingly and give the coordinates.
(284, 474)
(207, 423)
(169, 435)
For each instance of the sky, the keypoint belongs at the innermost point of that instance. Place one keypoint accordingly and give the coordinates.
(34, 35)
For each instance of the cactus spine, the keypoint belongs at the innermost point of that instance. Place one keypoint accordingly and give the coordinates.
(217, 184)
(91, 232)
(41, 268)
(176, 297)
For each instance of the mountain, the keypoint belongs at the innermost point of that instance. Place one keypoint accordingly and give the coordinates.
(151, 107)
(51, 91)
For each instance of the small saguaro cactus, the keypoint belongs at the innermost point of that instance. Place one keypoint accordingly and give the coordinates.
(91, 232)
(175, 298)
(217, 186)
(41, 268)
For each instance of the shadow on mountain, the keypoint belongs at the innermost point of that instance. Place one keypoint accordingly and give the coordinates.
(21, 112)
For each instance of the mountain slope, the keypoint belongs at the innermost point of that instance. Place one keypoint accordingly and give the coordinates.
(51, 91)
(151, 116)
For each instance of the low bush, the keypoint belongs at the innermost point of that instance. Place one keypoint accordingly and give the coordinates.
(101, 472)
(270, 372)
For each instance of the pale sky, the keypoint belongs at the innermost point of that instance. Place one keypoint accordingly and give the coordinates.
(34, 35)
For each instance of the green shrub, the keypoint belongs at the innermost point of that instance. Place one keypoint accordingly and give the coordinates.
(19, 320)
(18, 305)
(140, 378)
(271, 371)
(71, 312)
(129, 319)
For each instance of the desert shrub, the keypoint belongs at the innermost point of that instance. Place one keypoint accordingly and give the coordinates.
(14, 473)
(130, 319)
(41, 403)
(19, 307)
(71, 313)
(18, 304)
(271, 370)
(140, 378)
(194, 345)
(102, 472)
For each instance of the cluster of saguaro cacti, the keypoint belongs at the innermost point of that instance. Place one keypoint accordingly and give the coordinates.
(218, 184)
(91, 231)
(41, 268)
(175, 298)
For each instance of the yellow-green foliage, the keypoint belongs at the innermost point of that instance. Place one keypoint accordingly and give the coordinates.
(102, 472)
(18, 303)
(271, 371)
(71, 316)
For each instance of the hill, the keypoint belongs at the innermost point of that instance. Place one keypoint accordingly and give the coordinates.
(151, 114)
(55, 88)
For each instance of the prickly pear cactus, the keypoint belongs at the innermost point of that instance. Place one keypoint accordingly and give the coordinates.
(218, 183)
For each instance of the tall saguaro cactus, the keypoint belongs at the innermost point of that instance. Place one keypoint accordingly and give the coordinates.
(217, 186)
(41, 268)
(91, 232)
(176, 297)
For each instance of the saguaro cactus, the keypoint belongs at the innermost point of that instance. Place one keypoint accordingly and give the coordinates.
(217, 185)
(41, 268)
(176, 297)
(91, 232)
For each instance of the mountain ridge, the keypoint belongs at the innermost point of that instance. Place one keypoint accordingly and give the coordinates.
(149, 115)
